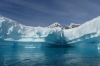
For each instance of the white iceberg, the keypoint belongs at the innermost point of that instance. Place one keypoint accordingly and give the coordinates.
(11, 30)
(88, 30)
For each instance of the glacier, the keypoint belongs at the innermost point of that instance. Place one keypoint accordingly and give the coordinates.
(11, 30)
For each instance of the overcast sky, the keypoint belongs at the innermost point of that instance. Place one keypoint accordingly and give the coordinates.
(46, 12)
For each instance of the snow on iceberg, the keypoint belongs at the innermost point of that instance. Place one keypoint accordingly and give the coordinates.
(88, 30)
(10, 30)
(55, 25)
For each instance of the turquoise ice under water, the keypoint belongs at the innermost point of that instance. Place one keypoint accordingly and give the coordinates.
(37, 54)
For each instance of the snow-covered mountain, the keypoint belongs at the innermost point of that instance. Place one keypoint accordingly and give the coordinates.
(11, 30)
(55, 25)
(72, 25)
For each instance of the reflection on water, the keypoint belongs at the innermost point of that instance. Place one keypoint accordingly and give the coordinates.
(81, 54)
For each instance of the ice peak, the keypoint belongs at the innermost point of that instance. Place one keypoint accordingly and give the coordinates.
(56, 24)
(1, 16)
(3, 19)
(96, 19)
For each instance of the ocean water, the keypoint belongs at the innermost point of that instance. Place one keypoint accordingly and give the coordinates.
(43, 54)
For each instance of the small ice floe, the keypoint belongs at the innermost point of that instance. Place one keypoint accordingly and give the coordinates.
(29, 46)
(98, 46)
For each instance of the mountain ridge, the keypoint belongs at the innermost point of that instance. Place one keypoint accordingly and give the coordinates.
(55, 24)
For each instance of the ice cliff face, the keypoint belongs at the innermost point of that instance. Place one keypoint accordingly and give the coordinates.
(88, 30)
(10, 30)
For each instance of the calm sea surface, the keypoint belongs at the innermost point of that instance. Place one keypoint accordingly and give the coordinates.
(37, 54)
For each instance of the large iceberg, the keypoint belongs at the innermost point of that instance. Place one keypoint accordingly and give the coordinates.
(90, 30)
(11, 30)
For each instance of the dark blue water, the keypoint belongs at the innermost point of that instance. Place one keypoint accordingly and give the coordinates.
(79, 54)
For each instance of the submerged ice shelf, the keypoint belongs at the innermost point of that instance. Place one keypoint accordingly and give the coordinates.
(11, 30)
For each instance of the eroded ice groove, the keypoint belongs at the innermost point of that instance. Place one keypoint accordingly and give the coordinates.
(11, 30)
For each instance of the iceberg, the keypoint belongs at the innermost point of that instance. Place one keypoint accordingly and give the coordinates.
(90, 30)
(11, 30)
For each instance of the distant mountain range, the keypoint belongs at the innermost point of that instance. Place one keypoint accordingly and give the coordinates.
(72, 25)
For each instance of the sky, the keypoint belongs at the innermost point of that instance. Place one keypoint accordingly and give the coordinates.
(45, 12)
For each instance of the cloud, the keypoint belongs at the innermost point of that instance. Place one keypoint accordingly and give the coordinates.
(65, 6)
(42, 11)
(32, 6)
